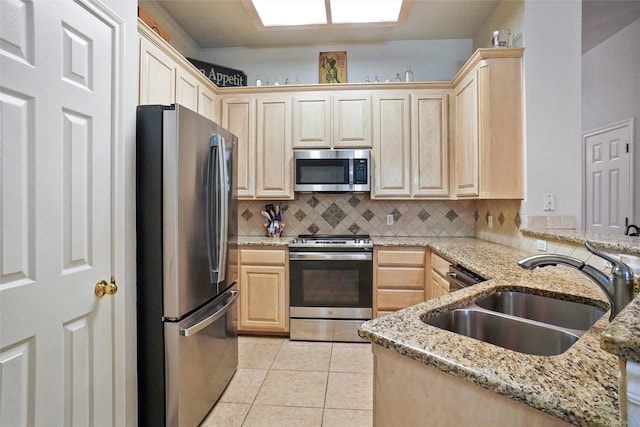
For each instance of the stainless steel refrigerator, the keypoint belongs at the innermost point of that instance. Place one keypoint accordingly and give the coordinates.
(186, 219)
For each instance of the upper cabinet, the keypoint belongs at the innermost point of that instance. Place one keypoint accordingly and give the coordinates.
(274, 154)
(166, 77)
(488, 126)
(332, 119)
(239, 118)
(410, 144)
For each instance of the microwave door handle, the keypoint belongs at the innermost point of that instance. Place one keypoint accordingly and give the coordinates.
(351, 171)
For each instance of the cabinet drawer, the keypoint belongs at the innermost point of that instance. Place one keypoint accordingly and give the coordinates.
(397, 299)
(440, 265)
(405, 278)
(414, 258)
(262, 257)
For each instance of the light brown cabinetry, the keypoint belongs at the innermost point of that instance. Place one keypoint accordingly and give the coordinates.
(166, 77)
(331, 120)
(399, 278)
(439, 285)
(410, 144)
(274, 153)
(239, 117)
(488, 124)
(264, 290)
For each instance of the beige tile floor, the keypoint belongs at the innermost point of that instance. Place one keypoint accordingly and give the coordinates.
(283, 383)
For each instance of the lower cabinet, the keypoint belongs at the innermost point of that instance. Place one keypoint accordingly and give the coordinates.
(264, 290)
(399, 279)
(439, 285)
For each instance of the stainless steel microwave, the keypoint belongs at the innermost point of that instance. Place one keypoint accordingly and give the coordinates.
(332, 170)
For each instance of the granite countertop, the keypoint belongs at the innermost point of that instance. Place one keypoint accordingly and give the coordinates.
(579, 386)
(606, 242)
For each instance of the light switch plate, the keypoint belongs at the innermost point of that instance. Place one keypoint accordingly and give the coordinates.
(390, 219)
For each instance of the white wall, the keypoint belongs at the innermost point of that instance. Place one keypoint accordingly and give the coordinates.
(611, 87)
(430, 60)
(553, 102)
(179, 39)
(507, 14)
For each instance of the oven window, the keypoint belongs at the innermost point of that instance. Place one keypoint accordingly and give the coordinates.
(330, 287)
(331, 284)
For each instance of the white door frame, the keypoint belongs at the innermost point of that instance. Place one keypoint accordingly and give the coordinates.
(123, 17)
(630, 125)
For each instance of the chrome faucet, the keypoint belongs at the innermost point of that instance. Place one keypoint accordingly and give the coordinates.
(618, 288)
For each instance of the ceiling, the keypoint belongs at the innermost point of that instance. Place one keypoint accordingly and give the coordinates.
(226, 23)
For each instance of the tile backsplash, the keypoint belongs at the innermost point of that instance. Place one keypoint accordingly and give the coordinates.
(320, 213)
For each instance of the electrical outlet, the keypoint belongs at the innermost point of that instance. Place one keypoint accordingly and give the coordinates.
(490, 221)
(541, 245)
(389, 219)
(549, 202)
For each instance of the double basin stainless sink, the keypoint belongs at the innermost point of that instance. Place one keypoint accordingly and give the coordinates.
(520, 321)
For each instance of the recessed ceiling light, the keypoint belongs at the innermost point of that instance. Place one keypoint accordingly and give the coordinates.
(317, 13)
(358, 11)
(274, 13)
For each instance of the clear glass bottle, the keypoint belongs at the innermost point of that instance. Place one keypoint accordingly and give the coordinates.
(376, 80)
(398, 80)
(366, 79)
(408, 75)
(258, 81)
(387, 80)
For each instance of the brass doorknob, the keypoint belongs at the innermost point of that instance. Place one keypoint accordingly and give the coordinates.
(103, 288)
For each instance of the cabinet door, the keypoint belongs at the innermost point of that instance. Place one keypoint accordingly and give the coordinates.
(239, 117)
(391, 146)
(157, 75)
(466, 146)
(430, 144)
(351, 120)
(312, 121)
(207, 104)
(274, 153)
(263, 302)
(186, 89)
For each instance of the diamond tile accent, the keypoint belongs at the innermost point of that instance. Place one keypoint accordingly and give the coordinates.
(396, 215)
(476, 215)
(501, 218)
(247, 215)
(424, 215)
(451, 215)
(354, 201)
(313, 201)
(354, 228)
(300, 215)
(517, 220)
(333, 215)
(368, 215)
(313, 229)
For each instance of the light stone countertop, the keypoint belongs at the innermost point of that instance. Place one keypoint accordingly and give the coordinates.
(579, 386)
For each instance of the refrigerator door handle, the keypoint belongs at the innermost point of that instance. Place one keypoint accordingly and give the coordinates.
(217, 209)
(194, 329)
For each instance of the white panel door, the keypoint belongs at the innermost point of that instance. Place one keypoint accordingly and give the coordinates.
(608, 178)
(57, 92)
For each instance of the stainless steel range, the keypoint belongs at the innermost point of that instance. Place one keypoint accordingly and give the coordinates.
(331, 286)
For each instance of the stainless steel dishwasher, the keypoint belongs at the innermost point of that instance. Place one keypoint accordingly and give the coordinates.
(460, 277)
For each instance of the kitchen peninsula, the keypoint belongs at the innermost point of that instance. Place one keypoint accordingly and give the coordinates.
(422, 372)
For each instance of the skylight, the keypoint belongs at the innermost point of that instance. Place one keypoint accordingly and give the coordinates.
(287, 13)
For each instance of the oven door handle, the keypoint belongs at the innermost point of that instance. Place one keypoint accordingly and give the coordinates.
(330, 256)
